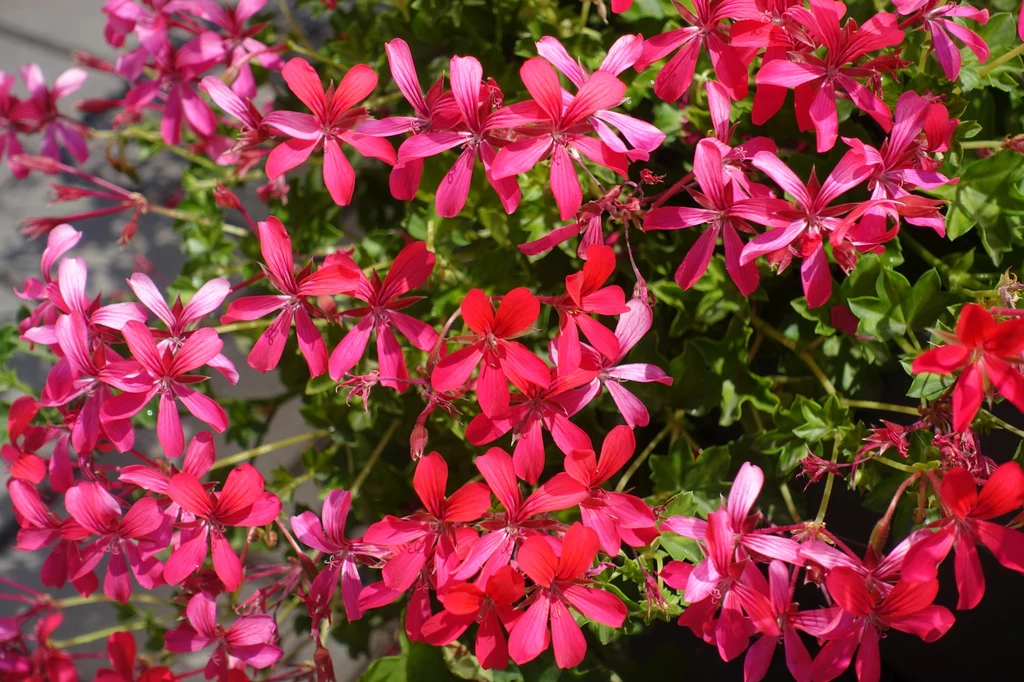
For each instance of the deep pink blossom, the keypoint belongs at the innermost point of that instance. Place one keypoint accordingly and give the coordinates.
(533, 409)
(41, 108)
(176, 73)
(12, 122)
(937, 21)
(520, 518)
(242, 109)
(99, 514)
(561, 132)
(908, 608)
(249, 640)
(154, 372)
(25, 440)
(706, 29)
(335, 114)
(341, 555)
(561, 582)
(819, 80)
(491, 607)
(242, 502)
(965, 522)
(276, 247)
(500, 359)
(384, 300)
(121, 651)
(802, 229)
(614, 516)
(234, 44)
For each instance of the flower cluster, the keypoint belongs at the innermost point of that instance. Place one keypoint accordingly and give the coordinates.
(539, 544)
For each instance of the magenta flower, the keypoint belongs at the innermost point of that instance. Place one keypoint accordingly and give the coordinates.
(479, 140)
(335, 114)
(41, 108)
(706, 29)
(340, 554)
(199, 459)
(937, 21)
(243, 110)
(435, 112)
(502, 358)
(613, 516)
(165, 373)
(25, 440)
(641, 135)
(802, 229)
(248, 639)
(176, 73)
(234, 43)
(99, 514)
(818, 80)
(242, 502)
(276, 247)
(725, 209)
(966, 522)
(384, 300)
(521, 519)
(907, 608)
(632, 327)
(12, 122)
(562, 583)
(179, 318)
(561, 132)
(533, 409)
(435, 533)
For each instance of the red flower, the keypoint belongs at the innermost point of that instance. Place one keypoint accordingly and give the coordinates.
(965, 523)
(561, 584)
(409, 270)
(276, 246)
(984, 349)
(503, 359)
(466, 603)
(331, 124)
(241, 502)
(122, 654)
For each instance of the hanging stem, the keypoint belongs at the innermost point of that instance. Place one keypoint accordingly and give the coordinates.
(374, 456)
(829, 482)
(996, 63)
(638, 462)
(246, 455)
(97, 634)
(874, 405)
(982, 144)
(1004, 425)
(802, 353)
(98, 599)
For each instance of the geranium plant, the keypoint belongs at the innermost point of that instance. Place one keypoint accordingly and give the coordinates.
(582, 422)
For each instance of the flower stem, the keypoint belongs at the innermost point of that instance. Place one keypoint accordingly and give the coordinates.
(188, 217)
(97, 599)
(829, 482)
(954, 277)
(802, 353)
(1004, 425)
(996, 63)
(982, 144)
(638, 462)
(895, 465)
(96, 634)
(874, 405)
(246, 455)
(374, 456)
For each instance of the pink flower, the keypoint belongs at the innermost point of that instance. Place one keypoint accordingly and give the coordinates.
(252, 130)
(435, 112)
(907, 608)
(242, 502)
(534, 408)
(235, 43)
(937, 21)
(248, 639)
(409, 270)
(986, 351)
(179, 318)
(435, 532)
(725, 210)
(340, 553)
(643, 136)
(586, 295)
(479, 140)
(335, 114)
(503, 359)
(122, 655)
(632, 327)
(491, 607)
(561, 582)
(165, 373)
(12, 121)
(99, 514)
(276, 247)
(817, 80)
(559, 133)
(801, 230)
(519, 520)
(41, 108)
(965, 523)
(705, 30)
(176, 71)
(613, 516)
(25, 440)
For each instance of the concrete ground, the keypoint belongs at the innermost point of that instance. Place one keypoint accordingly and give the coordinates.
(46, 32)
